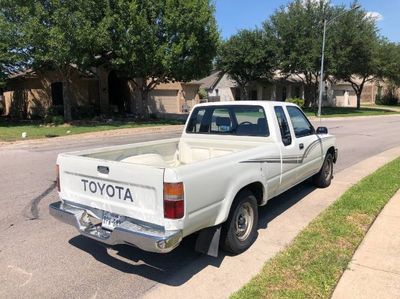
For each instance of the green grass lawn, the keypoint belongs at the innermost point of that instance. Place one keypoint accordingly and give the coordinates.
(393, 107)
(313, 263)
(348, 111)
(11, 131)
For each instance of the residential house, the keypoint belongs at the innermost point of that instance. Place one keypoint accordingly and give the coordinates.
(341, 94)
(31, 93)
(220, 87)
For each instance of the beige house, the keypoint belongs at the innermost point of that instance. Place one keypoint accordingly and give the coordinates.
(174, 98)
(31, 93)
(341, 93)
(220, 87)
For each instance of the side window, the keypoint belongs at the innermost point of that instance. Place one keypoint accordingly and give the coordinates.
(196, 121)
(283, 125)
(302, 127)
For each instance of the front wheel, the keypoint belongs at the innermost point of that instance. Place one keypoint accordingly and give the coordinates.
(324, 177)
(240, 230)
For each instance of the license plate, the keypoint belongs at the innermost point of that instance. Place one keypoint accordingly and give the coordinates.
(111, 221)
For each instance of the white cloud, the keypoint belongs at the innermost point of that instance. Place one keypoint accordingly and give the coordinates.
(374, 15)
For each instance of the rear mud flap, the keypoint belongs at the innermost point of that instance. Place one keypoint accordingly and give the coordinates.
(208, 241)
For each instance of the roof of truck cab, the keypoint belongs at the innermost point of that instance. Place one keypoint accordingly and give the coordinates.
(251, 103)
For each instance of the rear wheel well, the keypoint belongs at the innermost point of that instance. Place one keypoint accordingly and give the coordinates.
(257, 189)
(331, 151)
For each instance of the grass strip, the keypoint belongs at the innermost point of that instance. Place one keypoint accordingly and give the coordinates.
(313, 263)
(348, 111)
(13, 131)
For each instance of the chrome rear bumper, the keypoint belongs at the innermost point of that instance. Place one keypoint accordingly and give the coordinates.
(142, 236)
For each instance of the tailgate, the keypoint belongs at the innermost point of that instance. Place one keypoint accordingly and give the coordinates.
(122, 188)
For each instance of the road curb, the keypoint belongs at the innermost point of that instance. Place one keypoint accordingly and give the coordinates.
(231, 273)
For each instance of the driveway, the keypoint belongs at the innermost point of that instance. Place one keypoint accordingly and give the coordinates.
(42, 257)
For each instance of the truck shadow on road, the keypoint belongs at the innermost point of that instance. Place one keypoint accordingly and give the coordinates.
(178, 266)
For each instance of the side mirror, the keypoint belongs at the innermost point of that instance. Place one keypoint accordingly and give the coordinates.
(322, 130)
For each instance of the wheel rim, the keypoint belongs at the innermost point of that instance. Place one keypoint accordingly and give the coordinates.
(244, 221)
(328, 169)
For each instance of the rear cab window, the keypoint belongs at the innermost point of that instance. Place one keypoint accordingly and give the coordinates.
(240, 120)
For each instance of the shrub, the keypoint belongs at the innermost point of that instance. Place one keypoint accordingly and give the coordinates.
(298, 101)
(387, 99)
(57, 120)
(85, 111)
(37, 113)
(153, 116)
(2, 106)
(54, 115)
(203, 94)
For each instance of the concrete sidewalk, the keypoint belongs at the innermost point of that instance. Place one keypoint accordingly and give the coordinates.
(374, 271)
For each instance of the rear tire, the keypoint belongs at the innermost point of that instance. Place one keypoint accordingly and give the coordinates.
(324, 177)
(240, 230)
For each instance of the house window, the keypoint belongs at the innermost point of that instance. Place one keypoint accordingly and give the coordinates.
(253, 95)
(379, 93)
(57, 93)
(325, 94)
(237, 94)
(297, 92)
(284, 93)
(216, 92)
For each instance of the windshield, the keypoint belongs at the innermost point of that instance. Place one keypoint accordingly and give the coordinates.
(242, 120)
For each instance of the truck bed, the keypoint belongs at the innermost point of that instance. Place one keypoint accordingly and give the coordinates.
(169, 153)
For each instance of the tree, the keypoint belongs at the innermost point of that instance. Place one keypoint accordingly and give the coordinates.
(388, 57)
(11, 50)
(247, 56)
(356, 50)
(62, 35)
(297, 36)
(161, 41)
(6, 58)
(389, 61)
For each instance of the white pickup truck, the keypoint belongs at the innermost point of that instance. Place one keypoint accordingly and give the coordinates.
(231, 158)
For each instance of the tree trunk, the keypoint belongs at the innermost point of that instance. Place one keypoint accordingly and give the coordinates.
(358, 90)
(67, 100)
(2, 102)
(143, 95)
(145, 104)
(308, 95)
(358, 100)
(244, 95)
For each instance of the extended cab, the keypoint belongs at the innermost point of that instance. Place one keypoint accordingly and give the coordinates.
(231, 158)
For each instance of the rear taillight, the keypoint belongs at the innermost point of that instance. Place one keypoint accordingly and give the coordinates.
(58, 178)
(174, 205)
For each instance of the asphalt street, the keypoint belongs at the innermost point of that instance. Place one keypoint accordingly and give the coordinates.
(41, 257)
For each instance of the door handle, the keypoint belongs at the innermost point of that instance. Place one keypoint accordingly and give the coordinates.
(301, 146)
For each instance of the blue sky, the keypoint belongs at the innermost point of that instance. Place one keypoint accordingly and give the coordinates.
(240, 14)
